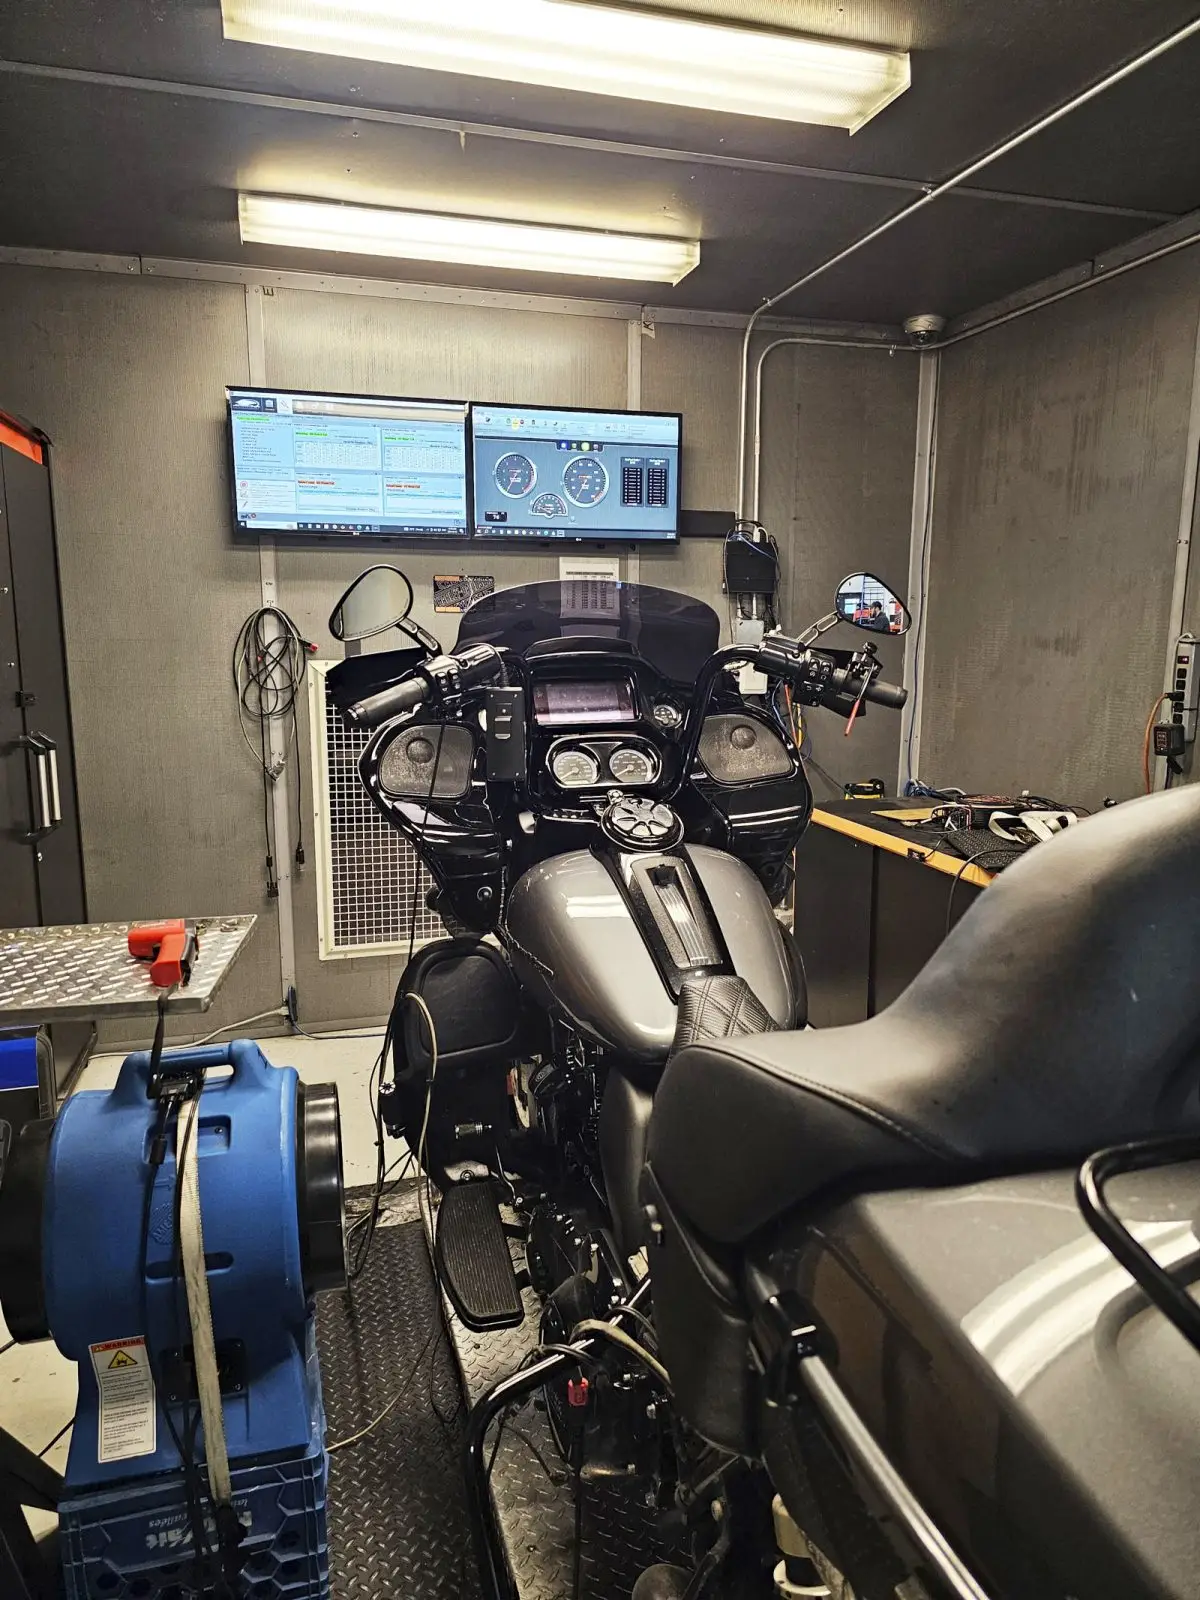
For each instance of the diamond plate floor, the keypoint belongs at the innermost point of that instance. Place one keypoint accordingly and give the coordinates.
(397, 1513)
(536, 1507)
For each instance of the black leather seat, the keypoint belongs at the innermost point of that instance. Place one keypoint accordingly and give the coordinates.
(1061, 1015)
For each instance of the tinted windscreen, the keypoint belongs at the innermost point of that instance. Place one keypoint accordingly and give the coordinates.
(673, 632)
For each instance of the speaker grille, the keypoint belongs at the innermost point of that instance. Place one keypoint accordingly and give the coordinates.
(736, 749)
(407, 766)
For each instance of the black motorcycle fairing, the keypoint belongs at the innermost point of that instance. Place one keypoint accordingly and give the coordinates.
(458, 840)
(982, 1064)
(758, 804)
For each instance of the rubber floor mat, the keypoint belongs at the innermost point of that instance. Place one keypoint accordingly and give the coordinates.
(397, 1512)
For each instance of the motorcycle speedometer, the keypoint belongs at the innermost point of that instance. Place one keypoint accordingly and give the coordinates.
(575, 769)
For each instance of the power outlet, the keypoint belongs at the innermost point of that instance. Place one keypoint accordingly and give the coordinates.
(1185, 686)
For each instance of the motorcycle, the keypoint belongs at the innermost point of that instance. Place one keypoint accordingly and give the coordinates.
(897, 1308)
(609, 823)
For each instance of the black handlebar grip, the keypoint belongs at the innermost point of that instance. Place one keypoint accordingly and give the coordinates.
(892, 695)
(379, 708)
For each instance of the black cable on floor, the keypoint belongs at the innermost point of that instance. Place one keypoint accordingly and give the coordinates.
(66, 1428)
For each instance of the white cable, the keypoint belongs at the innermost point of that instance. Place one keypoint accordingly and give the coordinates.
(195, 1281)
(615, 1335)
(260, 1016)
(417, 1000)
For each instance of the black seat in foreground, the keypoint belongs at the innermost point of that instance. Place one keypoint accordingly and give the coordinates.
(1062, 1014)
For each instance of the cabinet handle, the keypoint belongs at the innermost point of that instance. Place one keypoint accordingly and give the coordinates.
(55, 794)
(49, 799)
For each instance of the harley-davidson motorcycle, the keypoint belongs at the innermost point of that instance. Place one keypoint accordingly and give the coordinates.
(843, 1303)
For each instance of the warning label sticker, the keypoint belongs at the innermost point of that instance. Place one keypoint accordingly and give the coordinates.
(128, 1413)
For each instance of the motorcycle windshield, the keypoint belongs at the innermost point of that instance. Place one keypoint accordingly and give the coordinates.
(672, 632)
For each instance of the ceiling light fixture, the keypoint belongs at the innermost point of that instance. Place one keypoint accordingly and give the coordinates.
(475, 241)
(671, 60)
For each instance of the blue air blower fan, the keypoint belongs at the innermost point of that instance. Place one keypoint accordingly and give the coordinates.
(95, 1235)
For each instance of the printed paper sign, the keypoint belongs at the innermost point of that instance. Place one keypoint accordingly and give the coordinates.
(128, 1413)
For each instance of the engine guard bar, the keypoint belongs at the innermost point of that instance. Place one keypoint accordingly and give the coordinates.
(787, 1347)
(489, 1543)
(856, 1438)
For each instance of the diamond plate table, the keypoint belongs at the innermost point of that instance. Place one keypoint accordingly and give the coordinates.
(83, 972)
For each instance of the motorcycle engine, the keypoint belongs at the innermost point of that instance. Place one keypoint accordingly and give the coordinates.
(622, 1437)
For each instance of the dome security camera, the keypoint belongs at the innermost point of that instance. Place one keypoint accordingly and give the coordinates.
(924, 328)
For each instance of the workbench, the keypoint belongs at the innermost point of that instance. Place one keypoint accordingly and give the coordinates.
(874, 899)
(83, 972)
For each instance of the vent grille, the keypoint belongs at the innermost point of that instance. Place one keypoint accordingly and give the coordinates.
(367, 872)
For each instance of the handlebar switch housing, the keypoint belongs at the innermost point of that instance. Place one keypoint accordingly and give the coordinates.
(783, 656)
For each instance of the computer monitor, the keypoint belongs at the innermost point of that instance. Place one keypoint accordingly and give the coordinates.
(343, 465)
(555, 472)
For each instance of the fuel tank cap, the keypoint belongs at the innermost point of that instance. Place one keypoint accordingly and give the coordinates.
(635, 822)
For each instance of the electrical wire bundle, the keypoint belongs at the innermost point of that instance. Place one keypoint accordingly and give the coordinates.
(270, 659)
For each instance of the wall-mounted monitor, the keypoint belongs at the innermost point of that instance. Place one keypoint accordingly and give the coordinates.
(545, 472)
(344, 465)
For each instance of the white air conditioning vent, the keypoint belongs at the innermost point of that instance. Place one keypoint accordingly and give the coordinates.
(368, 875)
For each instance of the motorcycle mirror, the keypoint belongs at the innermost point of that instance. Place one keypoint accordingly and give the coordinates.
(865, 601)
(379, 598)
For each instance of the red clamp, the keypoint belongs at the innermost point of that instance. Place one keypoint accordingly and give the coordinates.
(170, 947)
(577, 1391)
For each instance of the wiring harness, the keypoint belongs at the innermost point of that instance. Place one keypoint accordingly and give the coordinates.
(270, 659)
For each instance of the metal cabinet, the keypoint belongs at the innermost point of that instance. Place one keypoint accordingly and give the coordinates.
(41, 859)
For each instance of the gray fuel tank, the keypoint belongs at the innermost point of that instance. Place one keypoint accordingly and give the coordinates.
(577, 946)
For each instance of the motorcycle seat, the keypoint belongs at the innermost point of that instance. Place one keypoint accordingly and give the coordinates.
(1062, 1014)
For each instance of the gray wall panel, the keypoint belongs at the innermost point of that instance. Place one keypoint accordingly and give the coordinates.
(1060, 463)
(318, 341)
(127, 378)
(839, 432)
(695, 370)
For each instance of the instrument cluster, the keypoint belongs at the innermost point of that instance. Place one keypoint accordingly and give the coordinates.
(602, 763)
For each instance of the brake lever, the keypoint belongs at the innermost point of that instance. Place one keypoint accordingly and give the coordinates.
(872, 667)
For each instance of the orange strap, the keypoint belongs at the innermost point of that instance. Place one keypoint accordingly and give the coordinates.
(21, 442)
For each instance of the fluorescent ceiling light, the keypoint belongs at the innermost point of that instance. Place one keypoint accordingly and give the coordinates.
(672, 60)
(477, 241)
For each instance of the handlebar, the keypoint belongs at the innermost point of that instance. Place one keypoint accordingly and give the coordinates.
(892, 695)
(443, 678)
(376, 709)
(816, 674)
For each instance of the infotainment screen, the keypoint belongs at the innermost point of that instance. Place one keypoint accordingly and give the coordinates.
(555, 704)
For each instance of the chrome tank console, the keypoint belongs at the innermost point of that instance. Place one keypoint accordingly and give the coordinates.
(636, 822)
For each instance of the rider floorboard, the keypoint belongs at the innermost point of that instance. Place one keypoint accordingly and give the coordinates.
(397, 1514)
